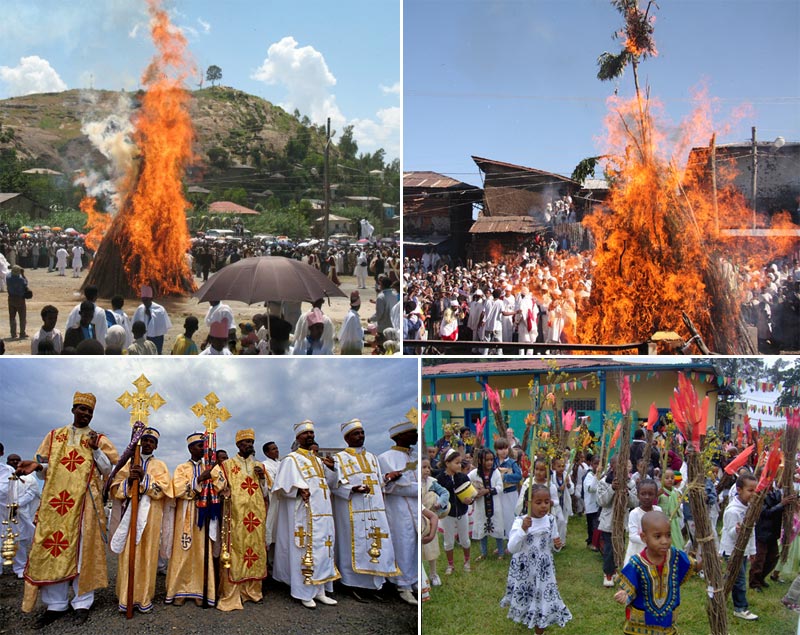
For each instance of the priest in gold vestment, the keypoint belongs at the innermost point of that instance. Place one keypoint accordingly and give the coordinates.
(185, 572)
(242, 480)
(155, 489)
(68, 544)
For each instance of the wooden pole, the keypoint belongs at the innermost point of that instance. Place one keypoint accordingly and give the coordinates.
(137, 461)
(713, 148)
(621, 493)
(704, 535)
(754, 508)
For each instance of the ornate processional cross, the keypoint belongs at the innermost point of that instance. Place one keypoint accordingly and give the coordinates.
(141, 401)
(211, 413)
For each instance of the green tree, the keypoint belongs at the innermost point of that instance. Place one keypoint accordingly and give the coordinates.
(213, 74)
(347, 145)
(11, 177)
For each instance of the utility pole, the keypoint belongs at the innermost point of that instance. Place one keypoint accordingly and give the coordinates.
(755, 174)
(327, 181)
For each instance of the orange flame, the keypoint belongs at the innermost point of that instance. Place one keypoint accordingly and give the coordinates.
(97, 222)
(660, 250)
(150, 230)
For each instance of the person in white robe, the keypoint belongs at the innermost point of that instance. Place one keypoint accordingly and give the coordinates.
(61, 261)
(304, 524)
(154, 316)
(99, 318)
(399, 468)
(311, 341)
(77, 261)
(28, 498)
(361, 269)
(351, 335)
(5, 269)
(218, 311)
(527, 313)
(364, 550)
(271, 465)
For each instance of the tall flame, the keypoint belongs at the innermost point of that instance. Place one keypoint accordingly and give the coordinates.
(660, 245)
(150, 234)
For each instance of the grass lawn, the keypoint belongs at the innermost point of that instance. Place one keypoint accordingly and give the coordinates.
(469, 603)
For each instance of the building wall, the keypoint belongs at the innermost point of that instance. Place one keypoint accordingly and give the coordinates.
(654, 390)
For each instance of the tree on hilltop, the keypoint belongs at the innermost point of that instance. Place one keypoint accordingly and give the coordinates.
(213, 74)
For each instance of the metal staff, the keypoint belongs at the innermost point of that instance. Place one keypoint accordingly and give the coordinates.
(139, 403)
(208, 503)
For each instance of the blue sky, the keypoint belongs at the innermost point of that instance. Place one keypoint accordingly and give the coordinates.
(515, 80)
(339, 59)
(269, 395)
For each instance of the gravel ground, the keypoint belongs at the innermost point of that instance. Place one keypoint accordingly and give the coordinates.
(279, 613)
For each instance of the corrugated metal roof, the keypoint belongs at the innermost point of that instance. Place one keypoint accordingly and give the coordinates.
(545, 366)
(434, 180)
(504, 224)
(482, 162)
(228, 207)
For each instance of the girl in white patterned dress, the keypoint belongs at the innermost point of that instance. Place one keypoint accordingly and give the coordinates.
(532, 594)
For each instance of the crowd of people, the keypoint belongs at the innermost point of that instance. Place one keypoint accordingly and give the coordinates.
(283, 328)
(495, 492)
(533, 295)
(217, 525)
(536, 294)
(772, 304)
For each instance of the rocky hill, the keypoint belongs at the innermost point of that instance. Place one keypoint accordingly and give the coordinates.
(233, 128)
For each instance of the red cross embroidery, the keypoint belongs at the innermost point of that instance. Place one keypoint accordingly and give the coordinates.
(235, 469)
(72, 461)
(249, 485)
(62, 503)
(61, 437)
(251, 522)
(250, 557)
(55, 544)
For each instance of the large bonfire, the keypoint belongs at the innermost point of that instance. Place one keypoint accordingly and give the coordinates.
(661, 245)
(146, 241)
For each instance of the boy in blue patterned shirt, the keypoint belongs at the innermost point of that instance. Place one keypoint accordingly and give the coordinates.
(651, 581)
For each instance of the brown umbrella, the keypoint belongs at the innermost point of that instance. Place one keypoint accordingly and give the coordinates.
(265, 278)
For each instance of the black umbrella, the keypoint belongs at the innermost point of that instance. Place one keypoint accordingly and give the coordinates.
(266, 278)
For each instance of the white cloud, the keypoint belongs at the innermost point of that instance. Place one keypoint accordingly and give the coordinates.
(33, 75)
(383, 133)
(302, 70)
(308, 81)
(205, 25)
(394, 89)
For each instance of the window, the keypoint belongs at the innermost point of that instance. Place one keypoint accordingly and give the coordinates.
(580, 405)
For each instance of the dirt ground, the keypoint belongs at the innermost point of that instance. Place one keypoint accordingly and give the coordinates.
(278, 613)
(64, 293)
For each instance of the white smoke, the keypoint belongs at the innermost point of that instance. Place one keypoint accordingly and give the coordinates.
(112, 136)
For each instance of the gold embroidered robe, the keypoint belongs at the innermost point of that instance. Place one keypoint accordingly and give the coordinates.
(70, 520)
(246, 538)
(185, 572)
(157, 485)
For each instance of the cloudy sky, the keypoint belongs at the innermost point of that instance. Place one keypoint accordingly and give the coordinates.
(327, 59)
(269, 395)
